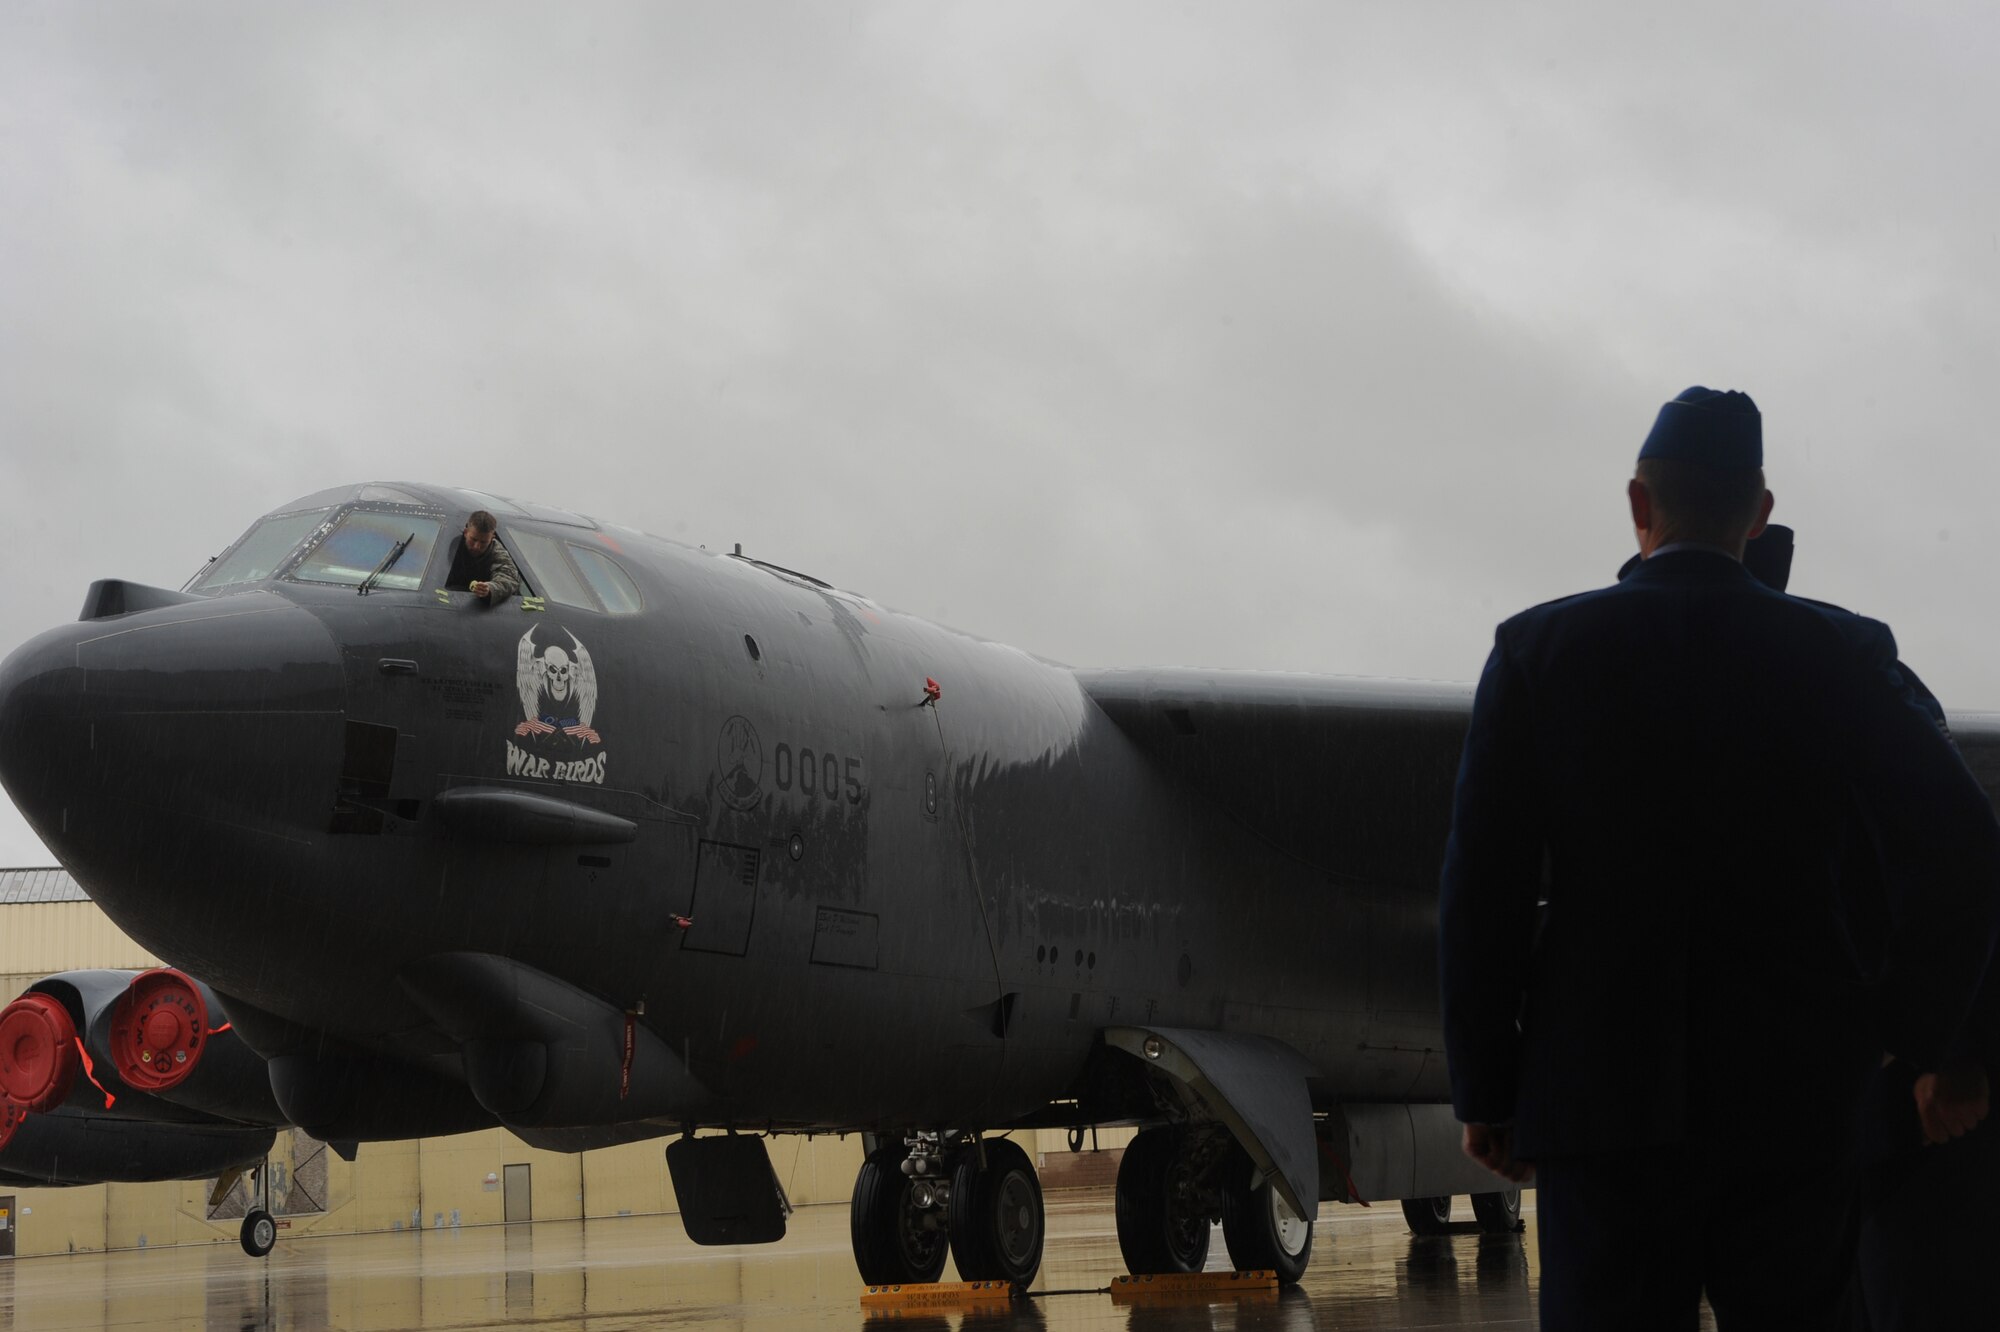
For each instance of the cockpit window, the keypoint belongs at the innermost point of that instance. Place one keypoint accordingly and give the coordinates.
(267, 546)
(361, 541)
(552, 576)
(611, 583)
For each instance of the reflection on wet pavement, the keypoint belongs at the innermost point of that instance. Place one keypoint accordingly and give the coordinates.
(641, 1272)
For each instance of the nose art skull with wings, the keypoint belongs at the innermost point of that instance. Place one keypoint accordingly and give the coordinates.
(558, 688)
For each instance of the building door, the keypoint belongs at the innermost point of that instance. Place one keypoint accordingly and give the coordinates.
(519, 1208)
(6, 1226)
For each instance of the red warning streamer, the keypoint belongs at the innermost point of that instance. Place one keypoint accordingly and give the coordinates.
(631, 1044)
(90, 1071)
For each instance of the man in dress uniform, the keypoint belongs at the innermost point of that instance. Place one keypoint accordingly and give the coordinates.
(1652, 1003)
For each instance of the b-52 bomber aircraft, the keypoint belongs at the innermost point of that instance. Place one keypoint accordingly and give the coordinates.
(676, 840)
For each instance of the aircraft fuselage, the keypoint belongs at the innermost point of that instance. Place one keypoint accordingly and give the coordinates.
(731, 811)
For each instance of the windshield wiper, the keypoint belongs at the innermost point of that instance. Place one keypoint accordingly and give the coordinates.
(383, 567)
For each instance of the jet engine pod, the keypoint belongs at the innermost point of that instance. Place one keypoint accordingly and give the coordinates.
(337, 1095)
(159, 1029)
(541, 1053)
(143, 1041)
(11, 1118)
(38, 1052)
(66, 1148)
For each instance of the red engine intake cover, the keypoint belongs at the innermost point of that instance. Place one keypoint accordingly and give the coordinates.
(158, 1030)
(37, 1053)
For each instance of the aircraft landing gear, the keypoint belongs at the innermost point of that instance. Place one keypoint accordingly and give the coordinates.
(898, 1217)
(909, 1211)
(1428, 1216)
(1163, 1209)
(1497, 1213)
(1261, 1229)
(997, 1216)
(1175, 1181)
(259, 1234)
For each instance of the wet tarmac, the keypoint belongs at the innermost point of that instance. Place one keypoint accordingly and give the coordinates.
(641, 1272)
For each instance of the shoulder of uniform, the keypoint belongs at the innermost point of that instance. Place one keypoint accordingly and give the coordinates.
(1534, 616)
(1858, 631)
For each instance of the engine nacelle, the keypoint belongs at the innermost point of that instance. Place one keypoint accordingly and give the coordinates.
(541, 1053)
(346, 1096)
(130, 1045)
(65, 1147)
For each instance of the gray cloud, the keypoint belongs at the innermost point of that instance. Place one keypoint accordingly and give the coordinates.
(1305, 337)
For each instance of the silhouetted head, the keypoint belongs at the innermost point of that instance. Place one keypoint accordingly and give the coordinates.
(1700, 476)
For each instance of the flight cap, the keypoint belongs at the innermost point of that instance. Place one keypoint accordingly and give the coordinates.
(1710, 427)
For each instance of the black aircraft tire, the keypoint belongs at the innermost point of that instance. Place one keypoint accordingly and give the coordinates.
(1497, 1213)
(997, 1218)
(1263, 1232)
(259, 1234)
(1428, 1216)
(1153, 1233)
(891, 1245)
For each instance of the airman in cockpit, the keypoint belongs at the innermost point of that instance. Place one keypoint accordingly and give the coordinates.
(480, 564)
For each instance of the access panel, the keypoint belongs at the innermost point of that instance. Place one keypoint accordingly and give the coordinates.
(725, 899)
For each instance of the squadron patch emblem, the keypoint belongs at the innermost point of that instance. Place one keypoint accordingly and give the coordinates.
(739, 765)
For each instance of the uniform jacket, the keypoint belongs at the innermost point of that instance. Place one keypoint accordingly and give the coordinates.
(1678, 765)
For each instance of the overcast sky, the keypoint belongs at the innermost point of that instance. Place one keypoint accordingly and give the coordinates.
(1308, 337)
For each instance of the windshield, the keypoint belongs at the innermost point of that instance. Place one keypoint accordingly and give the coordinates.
(361, 541)
(614, 586)
(260, 553)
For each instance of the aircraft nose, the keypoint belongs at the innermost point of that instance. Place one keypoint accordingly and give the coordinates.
(39, 686)
(151, 746)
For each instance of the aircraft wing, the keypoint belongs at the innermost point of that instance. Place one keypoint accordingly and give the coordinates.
(1977, 735)
(1353, 776)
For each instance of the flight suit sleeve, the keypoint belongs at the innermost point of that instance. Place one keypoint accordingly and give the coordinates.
(506, 579)
(1938, 843)
(1488, 898)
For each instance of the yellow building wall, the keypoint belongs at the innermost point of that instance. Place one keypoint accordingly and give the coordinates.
(627, 1181)
(59, 1221)
(43, 937)
(1043, 1145)
(381, 1187)
(446, 1181)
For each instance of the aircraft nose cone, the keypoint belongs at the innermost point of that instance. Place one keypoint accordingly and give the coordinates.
(156, 752)
(39, 685)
